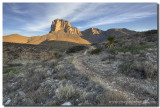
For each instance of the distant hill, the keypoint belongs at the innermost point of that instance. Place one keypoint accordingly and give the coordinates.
(15, 38)
(119, 32)
(94, 35)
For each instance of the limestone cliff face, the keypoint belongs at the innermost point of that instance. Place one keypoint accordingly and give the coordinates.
(62, 25)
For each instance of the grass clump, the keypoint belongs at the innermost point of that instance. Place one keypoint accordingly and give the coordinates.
(96, 51)
(66, 92)
(131, 48)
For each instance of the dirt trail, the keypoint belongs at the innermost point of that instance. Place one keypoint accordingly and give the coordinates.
(84, 69)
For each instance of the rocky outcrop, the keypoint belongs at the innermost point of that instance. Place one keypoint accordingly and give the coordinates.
(93, 35)
(91, 32)
(63, 25)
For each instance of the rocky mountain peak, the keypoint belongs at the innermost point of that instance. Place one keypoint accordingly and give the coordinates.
(91, 31)
(63, 25)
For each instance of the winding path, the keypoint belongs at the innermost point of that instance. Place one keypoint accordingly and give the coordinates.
(86, 70)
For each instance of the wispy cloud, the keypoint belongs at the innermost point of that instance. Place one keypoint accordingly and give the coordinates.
(37, 17)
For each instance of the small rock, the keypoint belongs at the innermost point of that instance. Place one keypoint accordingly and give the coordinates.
(67, 103)
(53, 86)
(48, 81)
(56, 80)
(49, 72)
(146, 101)
(8, 101)
(21, 93)
(57, 89)
(54, 97)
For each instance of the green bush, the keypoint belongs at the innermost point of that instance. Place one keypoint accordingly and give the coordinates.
(96, 51)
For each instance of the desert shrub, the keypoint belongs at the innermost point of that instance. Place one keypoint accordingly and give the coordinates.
(111, 98)
(151, 71)
(55, 53)
(75, 49)
(131, 48)
(138, 70)
(96, 51)
(110, 41)
(33, 80)
(66, 92)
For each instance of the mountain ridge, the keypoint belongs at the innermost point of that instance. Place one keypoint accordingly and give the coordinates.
(61, 30)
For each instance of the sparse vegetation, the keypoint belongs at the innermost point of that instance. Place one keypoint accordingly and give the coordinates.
(96, 51)
(12, 71)
(138, 70)
(131, 48)
(75, 49)
(66, 92)
(55, 53)
(38, 77)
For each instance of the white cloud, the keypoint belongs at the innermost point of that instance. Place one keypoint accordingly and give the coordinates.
(128, 15)
(41, 15)
(17, 8)
(63, 11)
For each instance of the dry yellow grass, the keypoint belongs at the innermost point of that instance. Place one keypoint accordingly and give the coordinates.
(65, 92)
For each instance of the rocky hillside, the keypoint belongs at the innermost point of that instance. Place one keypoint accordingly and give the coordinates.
(91, 32)
(61, 30)
(57, 73)
(119, 32)
(94, 35)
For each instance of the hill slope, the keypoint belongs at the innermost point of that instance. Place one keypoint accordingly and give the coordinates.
(15, 38)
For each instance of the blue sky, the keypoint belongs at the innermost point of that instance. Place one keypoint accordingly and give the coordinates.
(32, 19)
